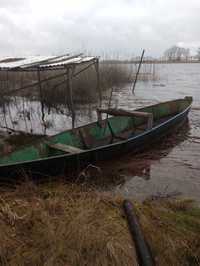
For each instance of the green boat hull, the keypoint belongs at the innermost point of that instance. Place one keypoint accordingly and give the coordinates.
(94, 142)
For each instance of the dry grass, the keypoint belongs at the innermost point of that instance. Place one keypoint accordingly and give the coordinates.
(64, 224)
(61, 225)
(84, 85)
(54, 94)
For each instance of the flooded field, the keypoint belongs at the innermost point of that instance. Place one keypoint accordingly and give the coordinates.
(172, 166)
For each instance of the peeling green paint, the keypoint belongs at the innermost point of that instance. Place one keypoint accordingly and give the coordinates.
(93, 132)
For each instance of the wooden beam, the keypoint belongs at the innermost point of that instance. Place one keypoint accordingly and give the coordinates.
(122, 112)
(70, 72)
(64, 147)
(85, 68)
(74, 75)
(34, 84)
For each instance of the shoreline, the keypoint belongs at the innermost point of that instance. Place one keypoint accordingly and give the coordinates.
(70, 224)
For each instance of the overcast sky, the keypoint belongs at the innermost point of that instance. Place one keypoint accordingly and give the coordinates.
(115, 27)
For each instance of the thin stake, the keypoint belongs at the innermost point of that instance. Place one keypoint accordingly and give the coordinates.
(70, 91)
(98, 81)
(138, 70)
(109, 103)
(41, 99)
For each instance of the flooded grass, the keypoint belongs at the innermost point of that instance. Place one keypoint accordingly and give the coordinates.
(84, 85)
(40, 111)
(68, 224)
(26, 109)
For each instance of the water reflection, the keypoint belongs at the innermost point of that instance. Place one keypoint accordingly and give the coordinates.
(140, 165)
(174, 163)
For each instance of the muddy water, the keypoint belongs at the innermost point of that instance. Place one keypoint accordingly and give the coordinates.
(172, 166)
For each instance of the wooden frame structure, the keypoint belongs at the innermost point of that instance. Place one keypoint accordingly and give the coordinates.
(43, 63)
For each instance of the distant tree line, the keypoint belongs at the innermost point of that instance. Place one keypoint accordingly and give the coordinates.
(198, 53)
(177, 53)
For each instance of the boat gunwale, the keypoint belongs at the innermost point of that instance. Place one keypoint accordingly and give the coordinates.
(107, 145)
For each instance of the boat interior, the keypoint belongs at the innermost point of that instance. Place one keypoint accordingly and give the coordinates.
(111, 130)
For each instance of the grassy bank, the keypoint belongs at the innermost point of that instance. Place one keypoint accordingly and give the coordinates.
(64, 224)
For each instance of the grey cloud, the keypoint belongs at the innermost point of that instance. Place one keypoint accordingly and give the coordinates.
(117, 26)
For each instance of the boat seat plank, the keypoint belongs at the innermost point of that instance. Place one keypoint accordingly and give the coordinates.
(122, 112)
(64, 147)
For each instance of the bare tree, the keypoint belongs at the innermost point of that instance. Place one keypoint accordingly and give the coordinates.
(198, 53)
(177, 53)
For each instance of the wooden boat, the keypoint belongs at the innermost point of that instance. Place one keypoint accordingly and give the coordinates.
(126, 131)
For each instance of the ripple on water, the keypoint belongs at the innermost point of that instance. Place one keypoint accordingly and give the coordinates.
(174, 164)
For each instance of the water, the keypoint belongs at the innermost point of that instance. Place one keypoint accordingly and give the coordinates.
(172, 166)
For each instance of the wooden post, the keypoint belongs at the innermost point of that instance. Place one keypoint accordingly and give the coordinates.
(7, 81)
(96, 64)
(138, 70)
(70, 72)
(109, 104)
(41, 98)
(66, 81)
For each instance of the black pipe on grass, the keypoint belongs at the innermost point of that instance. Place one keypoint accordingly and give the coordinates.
(143, 252)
